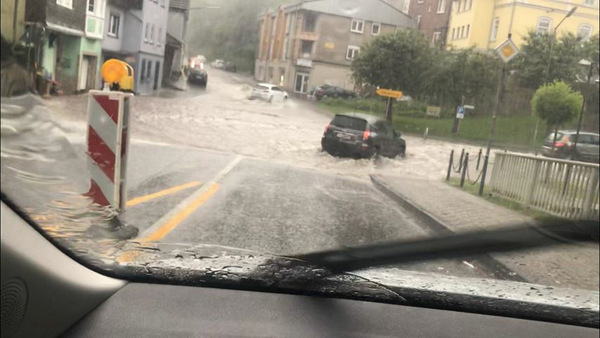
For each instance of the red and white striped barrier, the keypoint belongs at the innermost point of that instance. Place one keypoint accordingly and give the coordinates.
(107, 146)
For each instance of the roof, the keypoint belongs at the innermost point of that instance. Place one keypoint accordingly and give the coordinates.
(575, 132)
(366, 117)
(368, 10)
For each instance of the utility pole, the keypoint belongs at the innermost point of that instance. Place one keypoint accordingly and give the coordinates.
(547, 73)
(587, 94)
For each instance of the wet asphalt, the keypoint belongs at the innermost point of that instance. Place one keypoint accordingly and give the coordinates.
(260, 181)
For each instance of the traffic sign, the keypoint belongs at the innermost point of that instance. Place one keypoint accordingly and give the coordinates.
(507, 50)
(468, 106)
(389, 93)
(460, 112)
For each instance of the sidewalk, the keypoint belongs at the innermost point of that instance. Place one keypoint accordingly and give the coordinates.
(447, 210)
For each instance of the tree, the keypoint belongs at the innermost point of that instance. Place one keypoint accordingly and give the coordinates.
(556, 104)
(543, 58)
(461, 73)
(395, 61)
(229, 30)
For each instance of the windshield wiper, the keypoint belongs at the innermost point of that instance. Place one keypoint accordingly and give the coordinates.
(456, 245)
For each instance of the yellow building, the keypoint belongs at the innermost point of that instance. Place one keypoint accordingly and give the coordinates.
(13, 19)
(484, 24)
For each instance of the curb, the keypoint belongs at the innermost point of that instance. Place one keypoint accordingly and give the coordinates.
(489, 264)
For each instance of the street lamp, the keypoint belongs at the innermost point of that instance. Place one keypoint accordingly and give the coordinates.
(591, 65)
(547, 74)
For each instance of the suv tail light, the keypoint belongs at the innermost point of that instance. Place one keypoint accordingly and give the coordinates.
(559, 144)
(327, 127)
(366, 134)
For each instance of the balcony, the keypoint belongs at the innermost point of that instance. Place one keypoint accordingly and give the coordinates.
(303, 62)
(310, 36)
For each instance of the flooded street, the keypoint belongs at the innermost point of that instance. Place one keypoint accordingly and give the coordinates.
(222, 118)
(209, 166)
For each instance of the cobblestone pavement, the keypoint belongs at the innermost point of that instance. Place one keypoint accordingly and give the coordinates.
(456, 210)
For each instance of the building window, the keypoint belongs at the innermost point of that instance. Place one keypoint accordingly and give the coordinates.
(468, 5)
(467, 32)
(352, 52)
(418, 17)
(65, 3)
(495, 25)
(301, 84)
(589, 2)
(162, 3)
(375, 28)
(310, 22)
(420, 1)
(307, 48)
(91, 4)
(152, 34)
(159, 37)
(441, 6)
(543, 25)
(357, 26)
(147, 32)
(113, 25)
(462, 32)
(584, 31)
(436, 38)
(453, 33)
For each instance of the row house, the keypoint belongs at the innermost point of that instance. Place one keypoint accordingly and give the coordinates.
(135, 32)
(433, 18)
(68, 44)
(313, 43)
(486, 24)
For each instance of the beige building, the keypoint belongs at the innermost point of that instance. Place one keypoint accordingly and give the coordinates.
(313, 43)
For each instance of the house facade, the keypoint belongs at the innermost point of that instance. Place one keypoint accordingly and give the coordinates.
(13, 19)
(433, 18)
(69, 49)
(486, 24)
(135, 32)
(313, 43)
(175, 47)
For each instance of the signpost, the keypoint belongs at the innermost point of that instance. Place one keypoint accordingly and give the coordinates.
(390, 94)
(507, 51)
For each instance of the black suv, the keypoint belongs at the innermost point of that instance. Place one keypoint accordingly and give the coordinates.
(362, 136)
(333, 91)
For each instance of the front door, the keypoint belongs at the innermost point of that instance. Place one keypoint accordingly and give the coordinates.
(301, 85)
(83, 73)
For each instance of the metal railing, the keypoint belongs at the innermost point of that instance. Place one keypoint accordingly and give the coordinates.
(562, 188)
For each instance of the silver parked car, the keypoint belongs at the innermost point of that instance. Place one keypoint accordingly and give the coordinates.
(587, 147)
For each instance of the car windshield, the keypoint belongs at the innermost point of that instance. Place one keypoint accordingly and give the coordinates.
(127, 155)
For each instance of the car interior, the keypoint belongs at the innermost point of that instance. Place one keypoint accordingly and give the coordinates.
(48, 292)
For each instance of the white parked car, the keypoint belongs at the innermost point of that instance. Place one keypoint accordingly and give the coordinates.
(269, 93)
(219, 64)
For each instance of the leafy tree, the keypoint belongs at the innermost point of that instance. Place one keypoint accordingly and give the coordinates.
(556, 104)
(562, 54)
(459, 73)
(395, 61)
(228, 29)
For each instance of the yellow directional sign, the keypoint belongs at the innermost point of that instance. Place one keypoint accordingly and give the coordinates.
(389, 93)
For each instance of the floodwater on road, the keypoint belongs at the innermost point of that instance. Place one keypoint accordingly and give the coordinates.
(221, 117)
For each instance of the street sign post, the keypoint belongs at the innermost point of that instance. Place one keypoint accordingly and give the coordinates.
(507, 51)
(396, 94)
(390, 94)
(460, 112)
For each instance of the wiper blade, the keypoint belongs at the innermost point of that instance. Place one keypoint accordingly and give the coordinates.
(456, 245)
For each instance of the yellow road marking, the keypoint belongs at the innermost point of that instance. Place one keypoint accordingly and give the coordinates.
(171, 224)
(161, 193)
